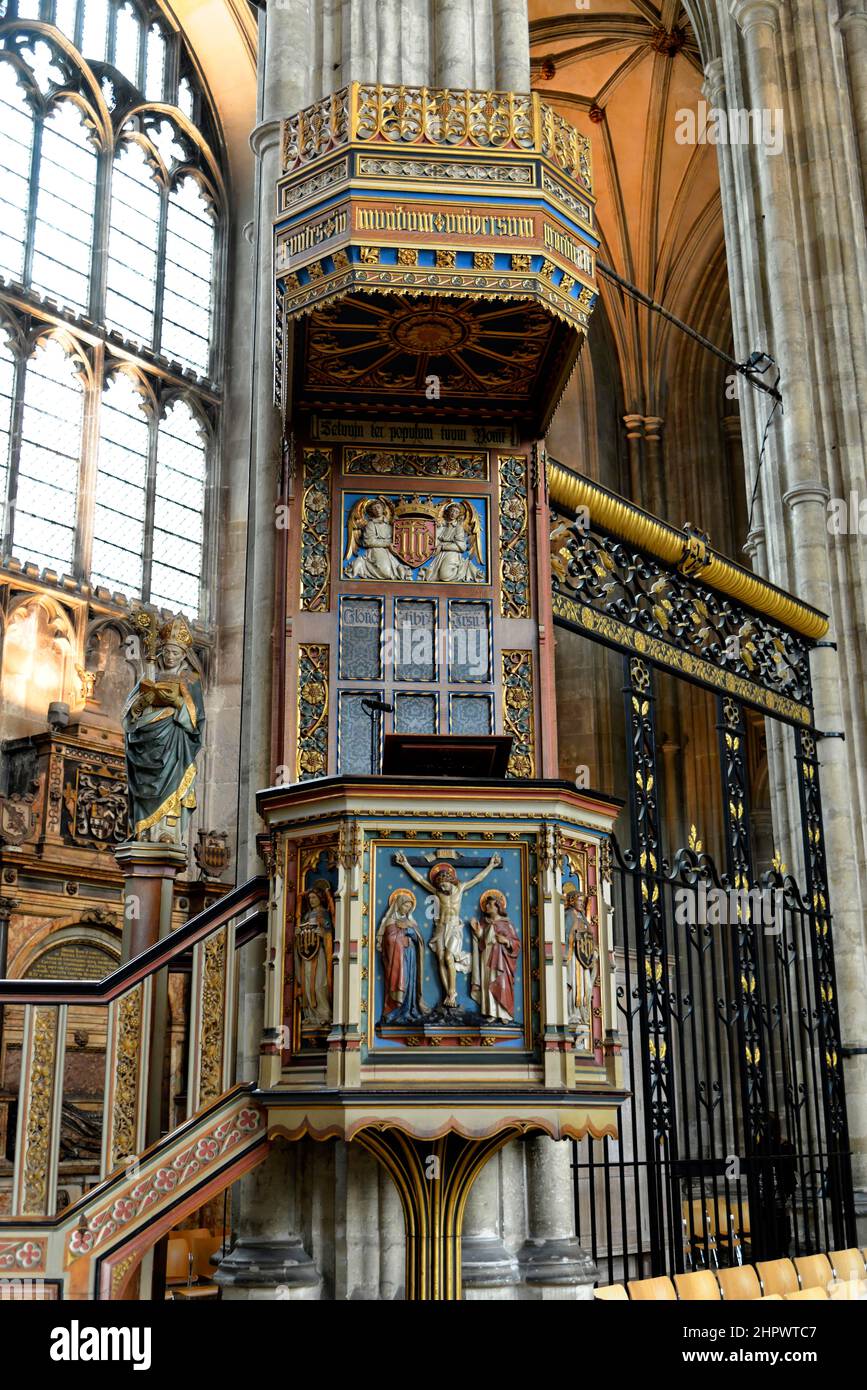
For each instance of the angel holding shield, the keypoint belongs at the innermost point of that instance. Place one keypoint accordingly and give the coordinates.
(458, 555)
(370, 529)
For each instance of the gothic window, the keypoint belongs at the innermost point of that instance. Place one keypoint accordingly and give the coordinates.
(111, 215)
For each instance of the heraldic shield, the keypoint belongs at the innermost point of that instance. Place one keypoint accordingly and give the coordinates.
(414, 537)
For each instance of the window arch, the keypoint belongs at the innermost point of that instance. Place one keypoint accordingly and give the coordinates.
(111, 211)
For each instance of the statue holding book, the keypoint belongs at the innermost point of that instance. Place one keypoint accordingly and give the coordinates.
(163, 721)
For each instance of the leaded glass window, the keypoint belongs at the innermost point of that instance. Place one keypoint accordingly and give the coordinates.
(109, 215)
(7, 392)
(48, 462)
(133, 247)
(117, 561)
(178, 510)
(16, 152)
(63, 233)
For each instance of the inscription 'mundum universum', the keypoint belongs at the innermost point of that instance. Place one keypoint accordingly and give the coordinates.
(401, 219)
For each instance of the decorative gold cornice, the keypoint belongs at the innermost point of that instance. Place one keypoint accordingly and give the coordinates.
(571, 490)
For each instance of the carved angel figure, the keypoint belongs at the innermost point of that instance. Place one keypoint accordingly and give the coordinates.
(458, 555)
(370, 529)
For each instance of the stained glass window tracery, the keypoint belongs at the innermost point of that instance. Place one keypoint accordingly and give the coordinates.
(110, 216)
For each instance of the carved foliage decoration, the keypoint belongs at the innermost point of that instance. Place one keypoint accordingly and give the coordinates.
(518, 719)
(313, 663)
(468, 467)
(38, 1130)
(213, 1012)
(125, 1138)
(316, 531)
(514, 562)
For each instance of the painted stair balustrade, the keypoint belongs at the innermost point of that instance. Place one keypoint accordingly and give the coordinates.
(92, 1248)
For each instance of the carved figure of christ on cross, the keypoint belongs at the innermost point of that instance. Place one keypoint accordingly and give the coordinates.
(447, 942)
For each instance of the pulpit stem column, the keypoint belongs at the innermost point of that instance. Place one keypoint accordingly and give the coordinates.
(553, 1262)
(433, 1178)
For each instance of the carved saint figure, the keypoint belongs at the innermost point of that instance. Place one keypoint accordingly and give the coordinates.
(582, 957)
(370, 529)
(447, 942)
(458, 555)
(314, 946)
(163, 721)
(496, 949)
(400, 943)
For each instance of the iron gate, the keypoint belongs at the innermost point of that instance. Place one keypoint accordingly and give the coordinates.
(734, 1143)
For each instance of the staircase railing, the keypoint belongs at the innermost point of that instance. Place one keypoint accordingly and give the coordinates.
(207, 947)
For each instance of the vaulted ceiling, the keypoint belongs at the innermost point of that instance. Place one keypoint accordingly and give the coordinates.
(621, 70)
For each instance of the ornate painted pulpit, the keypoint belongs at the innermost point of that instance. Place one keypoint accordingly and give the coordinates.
(440, 967)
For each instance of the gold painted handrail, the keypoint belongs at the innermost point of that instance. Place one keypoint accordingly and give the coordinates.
(682, 549)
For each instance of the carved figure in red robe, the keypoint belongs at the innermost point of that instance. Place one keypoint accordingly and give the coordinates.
(496, 951)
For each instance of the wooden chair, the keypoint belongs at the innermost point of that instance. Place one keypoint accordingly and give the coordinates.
(778, 1276)
(699, 1233)
(614, 1293)
(657, 1290)
(847, 1264)
(806, 1293)
(178, 1262)
(814, 1271)
(204, 1245)
(725, 1220)
(739, 1283)
(700, 1287)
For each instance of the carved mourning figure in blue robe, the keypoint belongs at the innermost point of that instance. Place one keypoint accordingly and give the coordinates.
(163, 721)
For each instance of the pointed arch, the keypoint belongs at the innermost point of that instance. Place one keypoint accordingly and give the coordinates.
(113, 208)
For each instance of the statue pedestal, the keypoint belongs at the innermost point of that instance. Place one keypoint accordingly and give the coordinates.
(149, 874)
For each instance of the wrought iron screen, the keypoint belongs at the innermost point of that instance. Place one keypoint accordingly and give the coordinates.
(734, 1143)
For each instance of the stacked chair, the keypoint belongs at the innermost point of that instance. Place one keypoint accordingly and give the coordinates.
(839, 1274)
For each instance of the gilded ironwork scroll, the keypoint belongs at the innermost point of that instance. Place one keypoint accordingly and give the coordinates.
(746, 988)
(822, 941)
(615, 593)
(653, 986)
